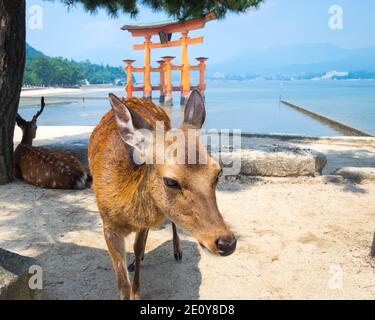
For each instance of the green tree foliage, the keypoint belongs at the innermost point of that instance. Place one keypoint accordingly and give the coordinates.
(52, 72)
(98, 74)
(175, 8)
(42, 70)
(32, 53)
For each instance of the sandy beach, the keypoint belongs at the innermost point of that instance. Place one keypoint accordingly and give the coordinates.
(299, 238)
(54, 134)
(30, 93)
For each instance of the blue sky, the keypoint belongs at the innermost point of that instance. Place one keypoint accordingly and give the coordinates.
(79, 35)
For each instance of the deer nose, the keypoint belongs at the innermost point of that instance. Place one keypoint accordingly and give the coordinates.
(226, 245)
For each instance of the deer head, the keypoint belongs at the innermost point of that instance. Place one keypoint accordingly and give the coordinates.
(182, 189)
(29, 127)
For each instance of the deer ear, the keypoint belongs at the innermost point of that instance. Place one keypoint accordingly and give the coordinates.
(195, 111)
(123, 118)
(126, 122)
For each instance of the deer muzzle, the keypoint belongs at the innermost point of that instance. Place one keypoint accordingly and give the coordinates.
(225, 246)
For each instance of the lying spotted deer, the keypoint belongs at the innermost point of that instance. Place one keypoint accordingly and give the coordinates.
(44, 167)
(134, 197)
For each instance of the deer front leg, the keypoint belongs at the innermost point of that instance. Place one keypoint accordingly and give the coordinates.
(131, 266)
(177, 251)
(139, 251)
(176, 244)
(116, 249)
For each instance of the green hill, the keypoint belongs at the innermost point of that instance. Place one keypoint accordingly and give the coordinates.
(56, 71)
(32, 53)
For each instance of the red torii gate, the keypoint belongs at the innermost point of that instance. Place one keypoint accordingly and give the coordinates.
(165, 31)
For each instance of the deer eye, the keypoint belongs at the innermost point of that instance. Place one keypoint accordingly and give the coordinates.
(170, 183)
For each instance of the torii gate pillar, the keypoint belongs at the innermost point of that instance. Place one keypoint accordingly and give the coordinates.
(185, 73)
(147, 90)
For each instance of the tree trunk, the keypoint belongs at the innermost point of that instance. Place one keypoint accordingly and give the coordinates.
(12, 63)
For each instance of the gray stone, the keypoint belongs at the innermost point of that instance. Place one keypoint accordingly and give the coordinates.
(265, 160)
(278, 161)
(14, 277)
(356, 174)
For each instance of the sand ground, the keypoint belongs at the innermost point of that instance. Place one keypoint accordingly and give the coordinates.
(60, 91)
(298, 238)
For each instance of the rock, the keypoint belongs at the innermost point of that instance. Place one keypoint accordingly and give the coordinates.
(277, 161)
(356, 174)
(268, 161)
(14, 277)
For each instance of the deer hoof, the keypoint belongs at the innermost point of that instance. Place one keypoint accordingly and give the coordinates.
(131, 267)
(136, 296)
(125, 292)
(178, 256)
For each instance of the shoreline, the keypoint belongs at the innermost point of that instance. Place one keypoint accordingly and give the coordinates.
(323, 126)
(50, 92)
(340, 151)
(54, 132)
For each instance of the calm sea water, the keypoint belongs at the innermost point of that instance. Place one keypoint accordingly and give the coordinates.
(252, 106)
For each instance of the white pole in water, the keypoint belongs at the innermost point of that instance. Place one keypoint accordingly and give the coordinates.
(281, 92)
(280, 98)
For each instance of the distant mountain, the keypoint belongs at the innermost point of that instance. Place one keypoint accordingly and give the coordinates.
(109, 55)
(56, 71)
(297, 59)
(32, 53)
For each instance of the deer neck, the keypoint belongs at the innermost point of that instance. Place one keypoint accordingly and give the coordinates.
(26, 140)
(139, 202)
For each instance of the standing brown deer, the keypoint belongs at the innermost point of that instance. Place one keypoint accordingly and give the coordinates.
(135, 197)
(43, 167)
